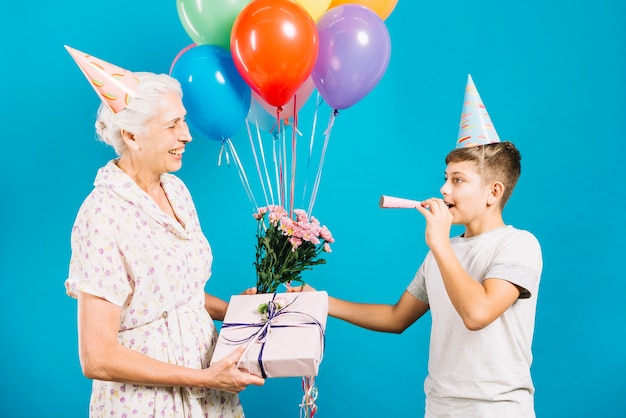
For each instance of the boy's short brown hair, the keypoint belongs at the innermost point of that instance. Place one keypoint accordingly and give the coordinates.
(499, 161)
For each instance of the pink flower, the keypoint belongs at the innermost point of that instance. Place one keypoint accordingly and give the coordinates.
(260, 214)
(301, 215)
(275, 217)
(311, 228)
(278, 210)
(326, 235)
(310, 237)
(295, 243)
(287, 226)
(281, 302)
(287, 245)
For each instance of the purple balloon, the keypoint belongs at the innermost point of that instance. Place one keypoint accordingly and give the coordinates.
(354, 51)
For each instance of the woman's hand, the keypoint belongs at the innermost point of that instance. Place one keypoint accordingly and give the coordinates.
(224, 374)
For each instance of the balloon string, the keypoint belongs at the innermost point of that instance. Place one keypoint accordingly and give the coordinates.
(256, 161)
(331, 122)
(308, 408)
(294, 137)
(222, 153)
(242, 173)
(267, 175)
(318, 102)
(285, 175)
(275, 156)
(281, 165)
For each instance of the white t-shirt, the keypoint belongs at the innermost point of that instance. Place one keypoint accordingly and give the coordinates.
(483, 373)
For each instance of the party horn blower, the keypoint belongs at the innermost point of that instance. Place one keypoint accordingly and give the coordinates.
(397, 202)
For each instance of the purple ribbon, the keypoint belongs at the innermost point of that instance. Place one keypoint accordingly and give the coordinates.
(273, 312)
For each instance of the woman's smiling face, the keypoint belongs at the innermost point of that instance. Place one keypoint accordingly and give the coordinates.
(162, 144)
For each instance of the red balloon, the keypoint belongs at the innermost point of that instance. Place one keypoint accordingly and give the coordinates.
(299, 99)
(274, 44)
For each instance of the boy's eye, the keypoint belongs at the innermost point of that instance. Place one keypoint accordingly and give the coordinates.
(453, 180)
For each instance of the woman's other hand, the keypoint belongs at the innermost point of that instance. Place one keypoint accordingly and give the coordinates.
(224, 374)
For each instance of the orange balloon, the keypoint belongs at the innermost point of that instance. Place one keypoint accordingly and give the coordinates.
(315, 8)
(274, 44)
(382, 8)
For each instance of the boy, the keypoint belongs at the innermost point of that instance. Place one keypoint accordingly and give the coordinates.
(481, 287)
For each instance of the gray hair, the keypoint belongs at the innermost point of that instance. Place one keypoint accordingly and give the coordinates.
(135, 116)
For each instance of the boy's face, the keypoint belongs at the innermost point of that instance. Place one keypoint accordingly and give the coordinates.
(464, 192)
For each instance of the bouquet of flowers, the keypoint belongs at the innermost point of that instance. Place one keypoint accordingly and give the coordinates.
(286, 247)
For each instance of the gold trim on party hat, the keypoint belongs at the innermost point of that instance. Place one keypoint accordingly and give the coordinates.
(115, 86)
(475, 127)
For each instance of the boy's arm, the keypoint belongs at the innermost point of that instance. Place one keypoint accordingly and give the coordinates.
(379, 317)
(477, 304)
(217, 307)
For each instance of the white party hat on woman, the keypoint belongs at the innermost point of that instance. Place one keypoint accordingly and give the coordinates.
(115, 86)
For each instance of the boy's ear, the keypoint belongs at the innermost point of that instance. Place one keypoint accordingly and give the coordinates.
(496, 192)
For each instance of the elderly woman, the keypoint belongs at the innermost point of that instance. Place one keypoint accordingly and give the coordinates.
(138, 268)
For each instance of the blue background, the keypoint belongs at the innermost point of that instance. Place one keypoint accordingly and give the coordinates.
(552, 75)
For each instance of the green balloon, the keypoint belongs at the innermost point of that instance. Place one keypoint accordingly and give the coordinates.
(209, 21)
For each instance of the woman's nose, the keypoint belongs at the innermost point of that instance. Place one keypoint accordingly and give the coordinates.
(185, 137)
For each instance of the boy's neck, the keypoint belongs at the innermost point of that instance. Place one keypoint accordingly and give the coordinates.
(480, 226)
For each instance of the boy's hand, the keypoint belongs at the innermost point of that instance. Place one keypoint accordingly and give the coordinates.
(249, 291)
(438, 221)
(303, 288)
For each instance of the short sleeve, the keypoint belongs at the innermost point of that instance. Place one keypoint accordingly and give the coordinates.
(417, 287)
(519, 261)
(97, 265)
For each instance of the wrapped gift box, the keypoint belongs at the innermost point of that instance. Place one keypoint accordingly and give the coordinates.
(288, 341)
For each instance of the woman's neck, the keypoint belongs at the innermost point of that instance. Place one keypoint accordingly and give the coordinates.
(148, 182)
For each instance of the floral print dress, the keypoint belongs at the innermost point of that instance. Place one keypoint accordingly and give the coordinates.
(129, 252)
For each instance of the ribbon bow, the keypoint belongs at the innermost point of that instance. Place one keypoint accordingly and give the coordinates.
(274, 311)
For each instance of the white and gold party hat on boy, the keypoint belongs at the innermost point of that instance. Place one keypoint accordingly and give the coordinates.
(475, 127)
(115, 86)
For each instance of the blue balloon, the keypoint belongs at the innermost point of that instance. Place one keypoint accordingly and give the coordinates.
(216, 97)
